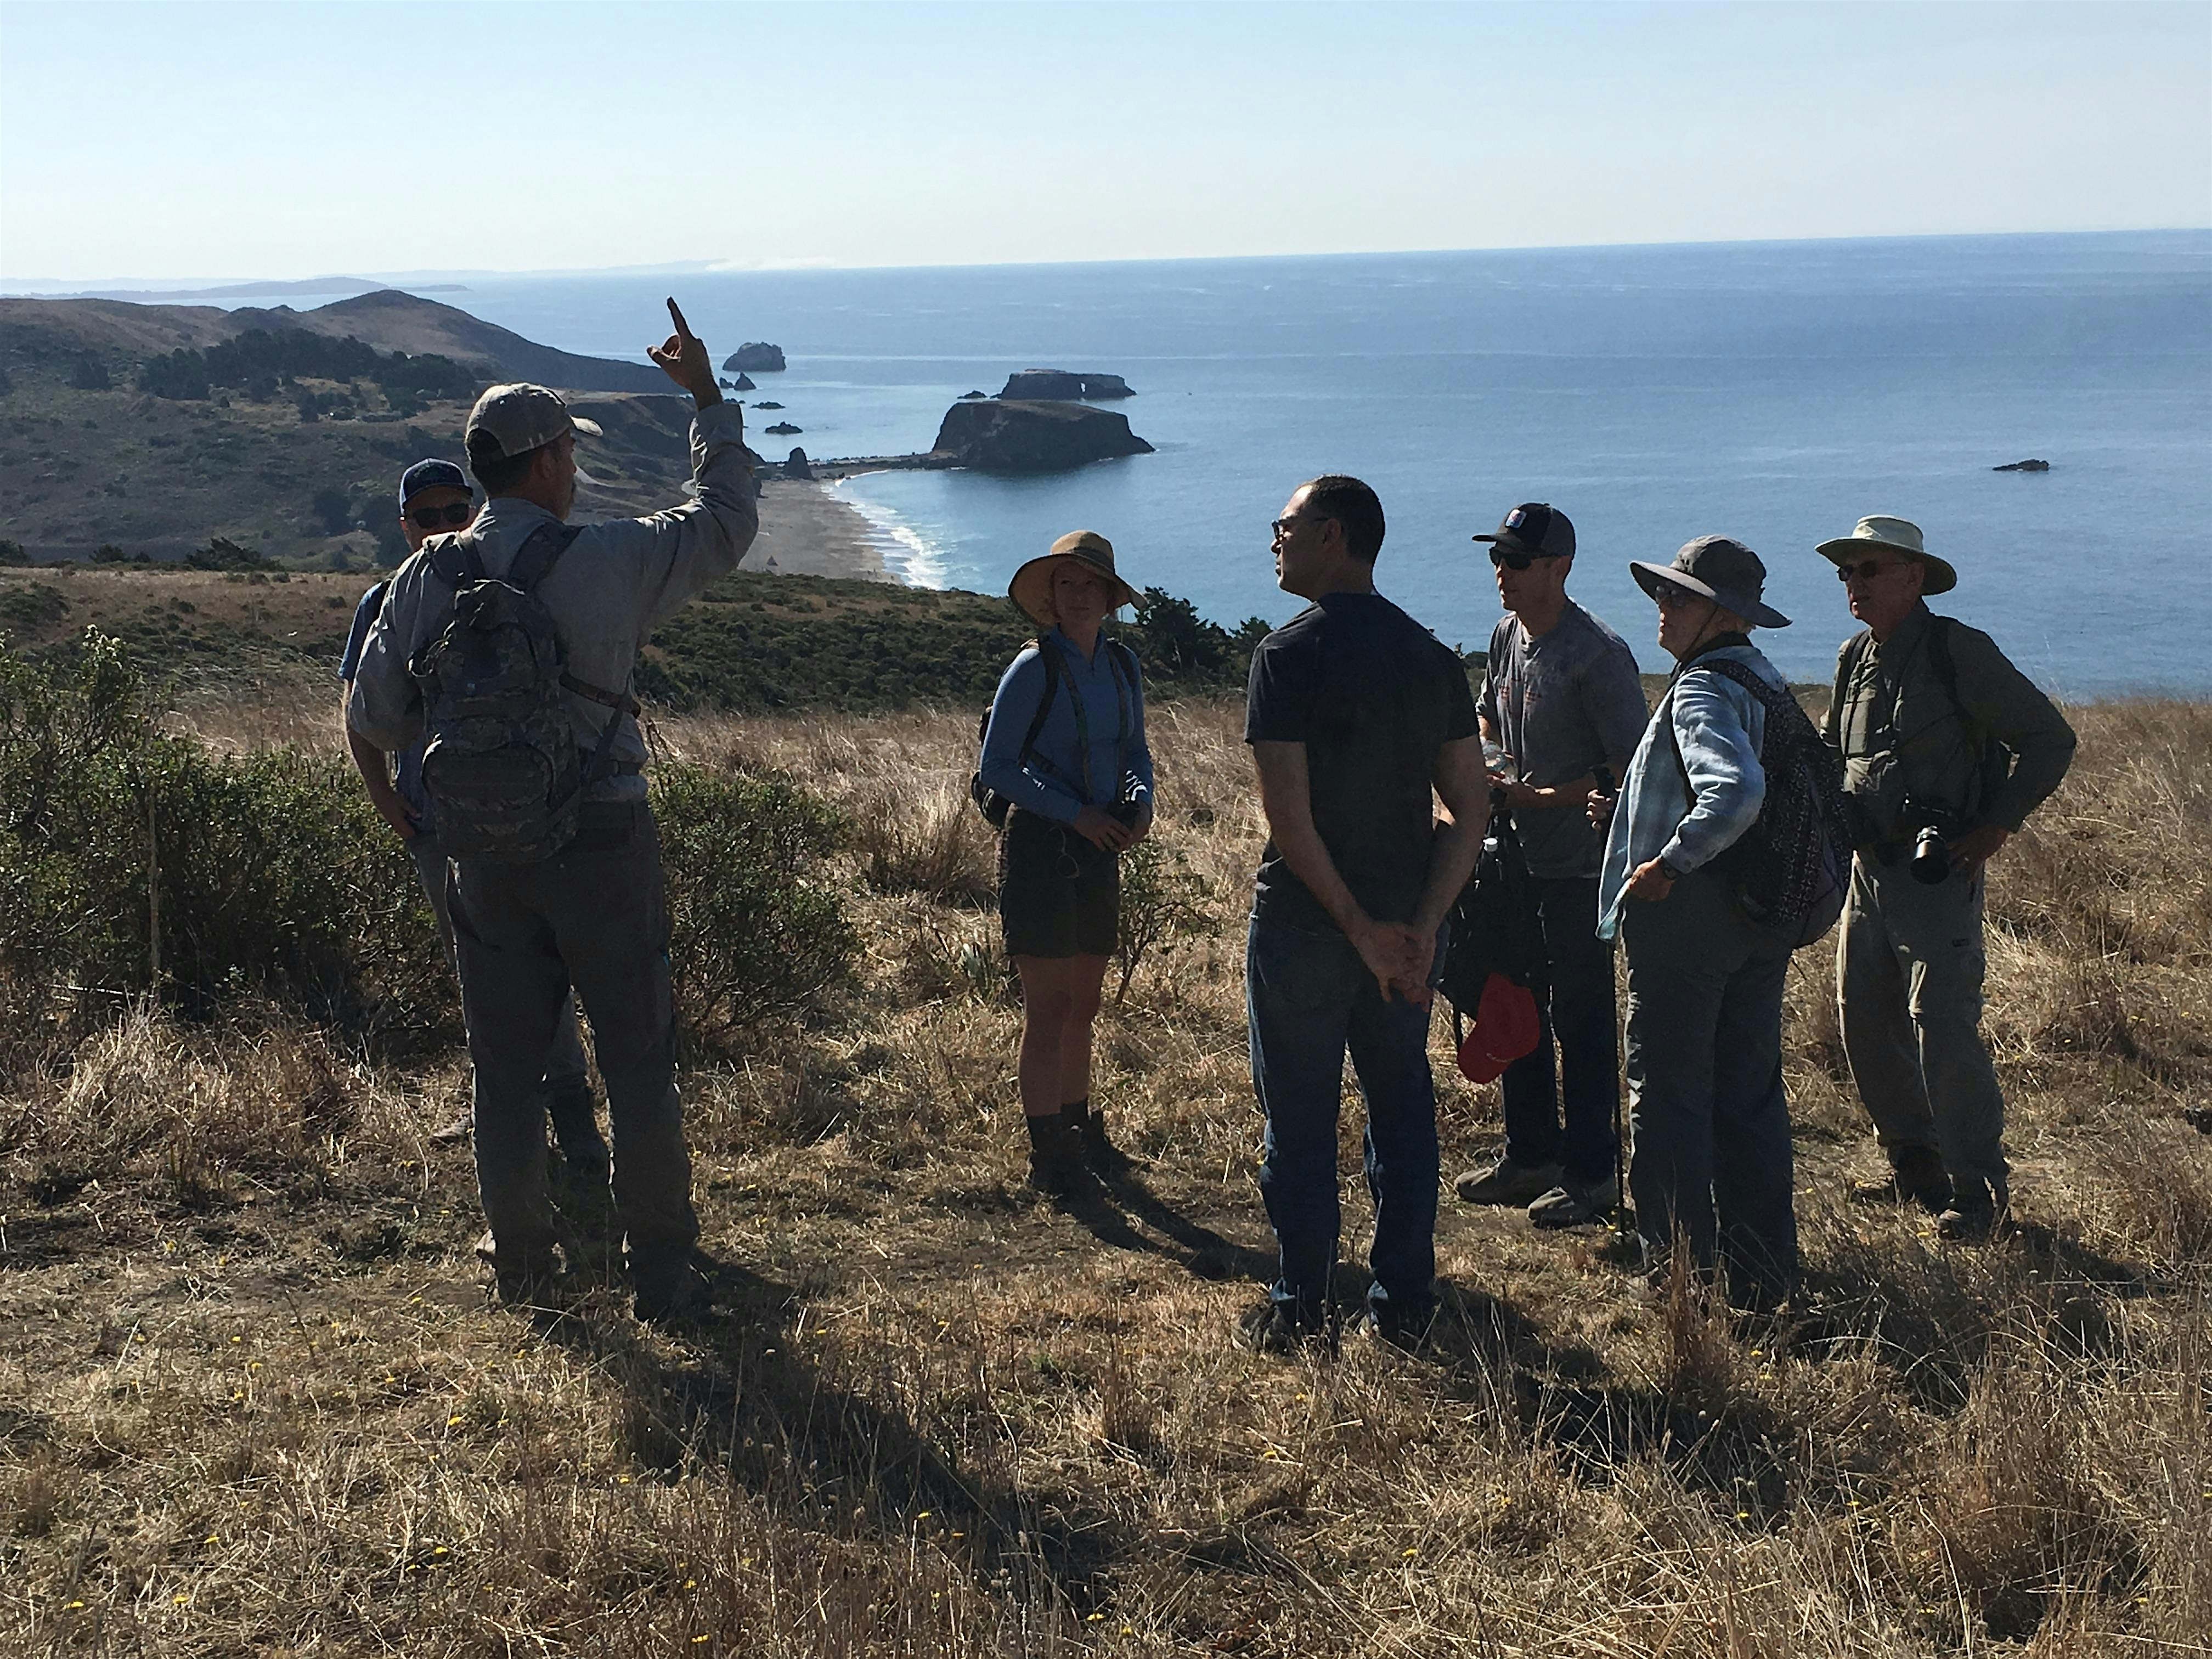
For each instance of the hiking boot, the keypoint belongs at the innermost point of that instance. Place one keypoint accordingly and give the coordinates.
(1976, 1210)
(1576, 1203)
(675, 1294)
(1916, 1177)
(1281, 1328)
(1055, 1154)
(1507, 1183)
(534, 1282)
(1397, 1325)
(1089, 1126)
(573, 1112)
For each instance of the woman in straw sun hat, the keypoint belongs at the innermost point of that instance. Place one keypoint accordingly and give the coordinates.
(1065, 746)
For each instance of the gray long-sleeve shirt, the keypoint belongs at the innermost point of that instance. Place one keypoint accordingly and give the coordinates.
(617, 580)
(1900, 732)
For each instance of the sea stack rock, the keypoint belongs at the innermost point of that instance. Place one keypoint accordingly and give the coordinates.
(999, 435)
(784, 429)
(743, 383)
(795, 466)
(1031, 384)
(756, 357)
(966, 396)
(2023, 466)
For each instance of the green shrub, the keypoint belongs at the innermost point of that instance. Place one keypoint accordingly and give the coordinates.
(134, 861)
(1163, 905)
(755, 931)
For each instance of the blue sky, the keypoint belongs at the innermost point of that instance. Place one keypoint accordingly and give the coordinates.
(185, 141)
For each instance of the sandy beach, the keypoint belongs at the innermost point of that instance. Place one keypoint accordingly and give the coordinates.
(807, 532)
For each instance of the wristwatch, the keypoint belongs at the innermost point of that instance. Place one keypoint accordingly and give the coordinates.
(1669, 871)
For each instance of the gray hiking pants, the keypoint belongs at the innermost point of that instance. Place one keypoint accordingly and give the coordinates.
(1909, 996)
(1712, 1156)
(565, 1064)
(594, 917)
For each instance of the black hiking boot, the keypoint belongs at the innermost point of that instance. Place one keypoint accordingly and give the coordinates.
(1977, 1210)
(1100, 1153)
(1916, 1177)
(1283, 1329)
(1055, 1154)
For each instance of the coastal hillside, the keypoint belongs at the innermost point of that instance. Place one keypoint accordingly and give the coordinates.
(754, 642)
(145, 432)
(259, 1403)
(119, 334)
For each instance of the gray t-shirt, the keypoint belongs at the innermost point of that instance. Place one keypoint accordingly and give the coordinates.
(1562, 706)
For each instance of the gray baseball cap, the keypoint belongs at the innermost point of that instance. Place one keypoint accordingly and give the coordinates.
(516, 418)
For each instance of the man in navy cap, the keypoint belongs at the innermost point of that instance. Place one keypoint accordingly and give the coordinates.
(1562, 704)
(435, 498)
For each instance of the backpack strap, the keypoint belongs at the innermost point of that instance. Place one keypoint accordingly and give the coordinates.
(540, 551)
(1048, 653)
(1122, 662)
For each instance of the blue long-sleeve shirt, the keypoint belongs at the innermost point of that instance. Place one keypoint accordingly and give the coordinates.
(1720, 726)
(1052, 784)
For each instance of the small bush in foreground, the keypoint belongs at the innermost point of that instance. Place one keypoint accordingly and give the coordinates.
(134, 862)
(753, 930)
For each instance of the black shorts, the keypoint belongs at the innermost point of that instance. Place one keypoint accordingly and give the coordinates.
(1059, 895)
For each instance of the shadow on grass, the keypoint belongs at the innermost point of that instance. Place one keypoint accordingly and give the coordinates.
(742, 1395)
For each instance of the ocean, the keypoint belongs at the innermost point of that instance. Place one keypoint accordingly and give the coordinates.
(1773, 391)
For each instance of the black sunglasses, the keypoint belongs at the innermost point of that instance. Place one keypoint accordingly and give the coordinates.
(429, 517)
(1514, 559)
(1867, 570)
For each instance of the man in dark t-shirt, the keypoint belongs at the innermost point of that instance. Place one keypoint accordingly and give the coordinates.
(1357, 717)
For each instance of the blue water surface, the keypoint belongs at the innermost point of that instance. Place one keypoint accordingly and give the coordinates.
(1771, 391)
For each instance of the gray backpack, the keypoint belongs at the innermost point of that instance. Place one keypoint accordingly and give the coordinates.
(499, 762)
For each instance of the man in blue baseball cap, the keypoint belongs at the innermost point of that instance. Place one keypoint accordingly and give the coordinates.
(434, 499)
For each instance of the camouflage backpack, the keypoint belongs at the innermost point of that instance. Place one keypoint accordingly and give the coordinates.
(499, 762)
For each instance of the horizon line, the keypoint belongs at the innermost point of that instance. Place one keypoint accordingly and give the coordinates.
(83, 288)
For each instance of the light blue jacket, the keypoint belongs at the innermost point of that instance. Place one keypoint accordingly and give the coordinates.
(1052, 784)
(1719, 725)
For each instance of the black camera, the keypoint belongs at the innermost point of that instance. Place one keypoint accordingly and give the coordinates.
(1931, 827)
(1128, 810)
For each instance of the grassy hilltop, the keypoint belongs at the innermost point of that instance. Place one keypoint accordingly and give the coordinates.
(146, 430)
(257, 1403)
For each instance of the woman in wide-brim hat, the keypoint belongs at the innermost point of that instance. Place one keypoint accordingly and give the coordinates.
(1064, 745)
(1711, 1168)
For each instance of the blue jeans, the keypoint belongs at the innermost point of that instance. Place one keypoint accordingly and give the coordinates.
(1580, 1020)
(1307, 998)
(1712, 1157)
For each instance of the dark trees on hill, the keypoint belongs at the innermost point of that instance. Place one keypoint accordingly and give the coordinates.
(258, 361)
(90, 374)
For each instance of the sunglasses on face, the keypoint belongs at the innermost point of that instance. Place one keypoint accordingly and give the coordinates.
(1513, 558)
(1669, 598)
(429, 517)
(1867, 570)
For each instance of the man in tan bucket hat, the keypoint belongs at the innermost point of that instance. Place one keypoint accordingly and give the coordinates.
(1946, 748)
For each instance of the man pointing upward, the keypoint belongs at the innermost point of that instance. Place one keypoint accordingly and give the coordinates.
(564, 889)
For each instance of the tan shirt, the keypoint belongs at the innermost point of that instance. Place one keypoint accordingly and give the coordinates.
(1900, 732)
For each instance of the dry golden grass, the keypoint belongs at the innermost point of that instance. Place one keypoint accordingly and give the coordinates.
(252, 1399)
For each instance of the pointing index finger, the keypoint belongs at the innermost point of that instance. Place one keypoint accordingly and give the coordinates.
(682, 328)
